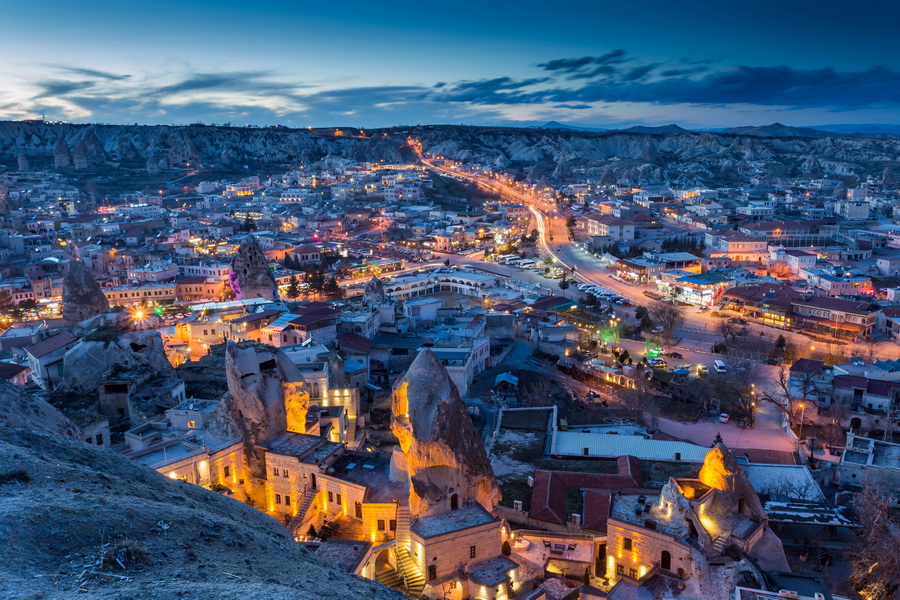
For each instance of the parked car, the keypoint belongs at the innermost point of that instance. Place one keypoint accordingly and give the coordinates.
(657, 329)
(674, 355)
(701, 369)
(771, 361)
(657, 362)
(724, 418)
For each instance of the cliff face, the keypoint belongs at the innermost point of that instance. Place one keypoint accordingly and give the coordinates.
(445, 458)
(81, 521)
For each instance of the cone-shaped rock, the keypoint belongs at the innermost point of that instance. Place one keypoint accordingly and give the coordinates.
(250, 274)
(81, 295)
(447, 463)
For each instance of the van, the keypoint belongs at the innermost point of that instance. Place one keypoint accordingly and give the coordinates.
(719, 366)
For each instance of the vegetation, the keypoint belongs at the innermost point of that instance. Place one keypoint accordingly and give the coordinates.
(18, 476)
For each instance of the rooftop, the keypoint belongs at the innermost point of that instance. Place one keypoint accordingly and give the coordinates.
(456, 520)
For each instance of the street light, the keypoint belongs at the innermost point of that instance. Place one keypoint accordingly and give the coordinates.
(802, 412)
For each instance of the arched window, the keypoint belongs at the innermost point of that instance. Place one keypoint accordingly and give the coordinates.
(665, 561)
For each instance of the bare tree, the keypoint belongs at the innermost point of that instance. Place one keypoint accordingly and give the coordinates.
(875, 561)
(790, 488)
(537, 393)
(729, 331)
(668, 316)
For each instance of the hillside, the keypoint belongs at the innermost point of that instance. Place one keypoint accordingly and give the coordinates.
(667, 154)
(80, 521)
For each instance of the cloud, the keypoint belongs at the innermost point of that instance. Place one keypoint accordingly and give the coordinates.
(92, 73)
(576, 64)
(568, 84)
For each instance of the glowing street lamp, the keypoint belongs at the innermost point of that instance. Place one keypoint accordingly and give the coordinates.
(802, 412)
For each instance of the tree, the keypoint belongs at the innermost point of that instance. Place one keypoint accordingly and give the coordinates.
(728, 330)
(293, 290)
(780, 345)
(875, 562)
(669, 316)
(248, 223)
(447, 262)
(333, 289)
(717, 440)
(564, 283)
(311, 532)
(643, 316)
(589, 300)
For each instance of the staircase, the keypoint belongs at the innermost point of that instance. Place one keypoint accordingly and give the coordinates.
(415, 582)
(718, 546)
(300, 517)
(404, 520)
(390, 578)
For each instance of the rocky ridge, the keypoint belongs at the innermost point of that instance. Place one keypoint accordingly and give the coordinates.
(80, 521)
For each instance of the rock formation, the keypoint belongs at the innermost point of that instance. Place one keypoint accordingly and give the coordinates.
(250, 275)
(61, 156)
(81, 296)
(267, 394)
(447, 463)
(81, 521)
(373, 292)
(111, 350)
(23, 162)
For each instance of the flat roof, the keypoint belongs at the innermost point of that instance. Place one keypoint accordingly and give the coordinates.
(456, 520)
(573, 443)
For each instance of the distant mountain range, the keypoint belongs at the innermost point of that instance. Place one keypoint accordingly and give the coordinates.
(773, 130)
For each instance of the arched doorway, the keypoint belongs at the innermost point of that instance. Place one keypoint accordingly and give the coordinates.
(856, 424)
(312, 480)
(454, 502)
(665, 561)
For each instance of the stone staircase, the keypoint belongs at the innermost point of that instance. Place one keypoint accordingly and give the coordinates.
(404, 521)
(390, 578)
(412, 576)
(299, 518)
(718, 546)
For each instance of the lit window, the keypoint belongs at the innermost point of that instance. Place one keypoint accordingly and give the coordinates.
(192, 424)
(277, 498)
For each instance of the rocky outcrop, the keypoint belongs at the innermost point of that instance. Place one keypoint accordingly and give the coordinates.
(81, 521)
(112, 350)
(446, 461)
(81, 295)
(20, 409)
(267, 395)
(373, 292)
(250, 275)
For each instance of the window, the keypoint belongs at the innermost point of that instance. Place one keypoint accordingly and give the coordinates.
(285, 473)
(339, 499)
(471, 551)
(626, 543)
(277, 498)
(358, 508)
(330, 497)
(432, 572)
(620, 570)
(380, 524)
(393, 525)
(275, 471)
(226, 471)
(287, 500)
(192, 424)
(632, 573)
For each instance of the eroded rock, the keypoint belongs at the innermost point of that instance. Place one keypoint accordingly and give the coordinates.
(82, 297)
(446, 460)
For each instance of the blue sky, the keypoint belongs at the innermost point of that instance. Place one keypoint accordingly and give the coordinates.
(370, 64)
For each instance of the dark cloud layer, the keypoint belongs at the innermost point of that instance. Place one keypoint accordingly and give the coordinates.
(561, 84)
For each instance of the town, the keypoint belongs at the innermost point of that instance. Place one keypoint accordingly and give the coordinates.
(479, 379)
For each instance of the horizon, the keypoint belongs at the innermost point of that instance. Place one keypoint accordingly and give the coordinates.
(504, 64)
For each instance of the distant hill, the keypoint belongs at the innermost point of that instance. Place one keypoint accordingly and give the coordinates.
(670, 128)
(779, 130)
(862, 129)
(558, 125)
